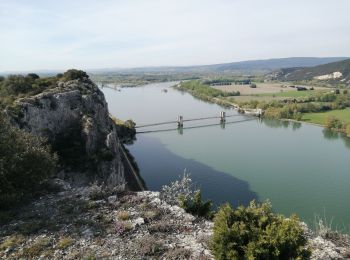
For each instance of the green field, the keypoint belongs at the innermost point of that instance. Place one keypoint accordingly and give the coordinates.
(293, 93)
(320, 118)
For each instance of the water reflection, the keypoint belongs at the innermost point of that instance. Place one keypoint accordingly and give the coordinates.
(296, 125)
(333, 135)
(330, 135)
(272, 123)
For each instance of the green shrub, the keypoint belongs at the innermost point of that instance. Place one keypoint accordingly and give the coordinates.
(33, 76)
(255, 232)
(25, 164)
(73, 74)
(21, 86)
(333, 123)
(196, 206)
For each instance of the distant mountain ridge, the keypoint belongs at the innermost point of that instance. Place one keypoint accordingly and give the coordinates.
(273, 64)
(334, 72)
(249, 67)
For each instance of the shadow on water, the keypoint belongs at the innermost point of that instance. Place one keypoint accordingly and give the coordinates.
(158, 167)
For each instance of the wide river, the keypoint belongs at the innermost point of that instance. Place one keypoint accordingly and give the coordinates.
(300, 168)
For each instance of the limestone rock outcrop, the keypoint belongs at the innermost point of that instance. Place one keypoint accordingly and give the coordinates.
(74, 118)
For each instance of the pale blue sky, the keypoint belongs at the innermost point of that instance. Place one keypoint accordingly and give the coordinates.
(52, 34)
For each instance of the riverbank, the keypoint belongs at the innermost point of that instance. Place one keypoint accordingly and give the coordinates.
(292, 110)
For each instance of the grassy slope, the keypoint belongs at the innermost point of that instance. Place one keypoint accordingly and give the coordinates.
(320, 118)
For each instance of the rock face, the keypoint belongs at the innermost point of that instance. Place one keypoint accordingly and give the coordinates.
(74, 117)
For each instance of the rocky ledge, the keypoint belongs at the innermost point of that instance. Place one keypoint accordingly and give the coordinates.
(92, 221)
(95, 221)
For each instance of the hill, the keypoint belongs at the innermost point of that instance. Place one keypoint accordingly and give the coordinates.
(335, 72)
(272, 64)
(246, 67)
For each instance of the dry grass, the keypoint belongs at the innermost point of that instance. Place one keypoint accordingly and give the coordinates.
(64, 242)
(11, 242)
(151, 214)
(38, 248)
(123, 215)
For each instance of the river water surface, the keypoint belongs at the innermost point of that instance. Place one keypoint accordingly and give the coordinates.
(300, 168)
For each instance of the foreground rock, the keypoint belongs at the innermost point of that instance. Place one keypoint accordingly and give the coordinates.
(89, 222)
(327, 244)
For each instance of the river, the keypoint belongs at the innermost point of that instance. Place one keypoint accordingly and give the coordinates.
(300, 168)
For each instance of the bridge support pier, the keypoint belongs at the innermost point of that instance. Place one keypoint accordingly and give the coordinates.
(222, 116)
(180, 122)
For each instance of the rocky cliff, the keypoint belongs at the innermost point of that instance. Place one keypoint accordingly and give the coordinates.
(74, 117)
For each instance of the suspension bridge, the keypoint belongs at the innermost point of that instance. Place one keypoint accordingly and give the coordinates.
(180, 122)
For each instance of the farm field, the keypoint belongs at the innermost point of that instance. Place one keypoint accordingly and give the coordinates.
(267, 89)
(260, 89)
(294, 93)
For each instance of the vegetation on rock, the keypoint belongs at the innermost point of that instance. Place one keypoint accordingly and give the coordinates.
(196, 206)
(73, 74)
(26, 162)
(15, 86)
(125, 129)
(255, 232)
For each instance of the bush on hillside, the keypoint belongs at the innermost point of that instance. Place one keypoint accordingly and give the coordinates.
(15, 86)
(255, 232)
(195, 206)
(182, 193)
(182, 188)
(73, 74)
(33, 76)
(25, 164)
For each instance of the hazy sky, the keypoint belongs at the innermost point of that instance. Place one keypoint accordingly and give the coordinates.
(54, 34)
